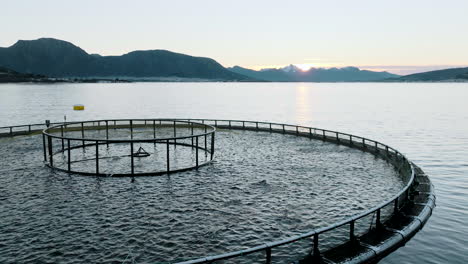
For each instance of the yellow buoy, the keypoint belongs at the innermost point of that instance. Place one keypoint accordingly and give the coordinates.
(78, 107)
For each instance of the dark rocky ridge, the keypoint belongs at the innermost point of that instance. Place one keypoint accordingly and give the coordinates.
(57, 58)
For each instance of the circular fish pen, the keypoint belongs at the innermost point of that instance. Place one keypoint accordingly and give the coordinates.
(273, 193)
(117, 147)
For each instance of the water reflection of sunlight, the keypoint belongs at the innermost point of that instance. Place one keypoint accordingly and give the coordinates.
(303, 104)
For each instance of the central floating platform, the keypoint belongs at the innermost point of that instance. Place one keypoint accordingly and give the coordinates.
(141, 153)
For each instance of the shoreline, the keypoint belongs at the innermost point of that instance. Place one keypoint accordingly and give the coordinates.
(189, 80)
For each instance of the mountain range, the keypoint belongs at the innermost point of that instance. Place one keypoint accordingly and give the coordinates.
(34, 59)
(292, 73)
(58, 58)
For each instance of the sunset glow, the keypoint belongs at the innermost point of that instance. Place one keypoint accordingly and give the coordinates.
(301, 66)
(305, 66)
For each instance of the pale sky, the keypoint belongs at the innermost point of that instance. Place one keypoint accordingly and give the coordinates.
(398, 36)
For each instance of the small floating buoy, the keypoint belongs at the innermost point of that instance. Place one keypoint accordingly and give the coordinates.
(78, 107)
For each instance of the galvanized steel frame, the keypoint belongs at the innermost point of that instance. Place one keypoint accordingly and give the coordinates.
(57, 131)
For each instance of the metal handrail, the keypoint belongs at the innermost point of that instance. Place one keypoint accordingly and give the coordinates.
(48, 134)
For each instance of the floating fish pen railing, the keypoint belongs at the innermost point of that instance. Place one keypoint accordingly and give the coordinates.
(9, 131)
(392, 223)
(95, 139)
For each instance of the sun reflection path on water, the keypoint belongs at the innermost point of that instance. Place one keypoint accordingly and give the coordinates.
(304, 104)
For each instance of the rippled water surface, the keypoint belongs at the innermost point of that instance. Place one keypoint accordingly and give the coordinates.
(427, 122)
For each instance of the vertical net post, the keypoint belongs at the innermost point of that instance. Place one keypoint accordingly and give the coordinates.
(378, 223)
(68, 156)
(82, 133)
(316, 251)
(205, 143)
(175, 133)
(212, 144)
(167, 157)
(107, 133)
(191, 127)
(196, 152)
(154, 130)
(63, 140)
(268, 256)
(131, 159)
(352, 237)
(44, 146)
(51, 154)
(131, 129)
(97, 158)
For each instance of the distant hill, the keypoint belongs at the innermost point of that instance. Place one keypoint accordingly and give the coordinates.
(58, 58)
(293, 74)
(455, 74)
(8, 76)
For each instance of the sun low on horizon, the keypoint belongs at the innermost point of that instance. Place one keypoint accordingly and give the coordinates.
(301, 66)
(305, 66)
